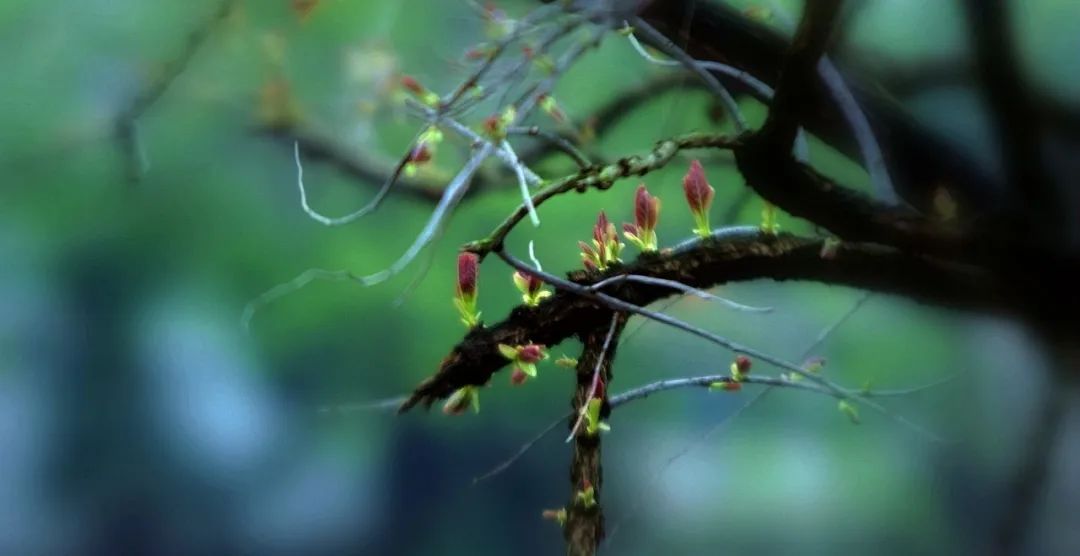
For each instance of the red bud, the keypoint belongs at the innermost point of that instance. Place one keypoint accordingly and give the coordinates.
(646, 209)
(699, 193)
(467, 269)
(420, 154)
(531, 353)
(412, 85)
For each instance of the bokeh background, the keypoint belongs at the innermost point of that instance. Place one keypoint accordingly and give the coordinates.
(138, 417)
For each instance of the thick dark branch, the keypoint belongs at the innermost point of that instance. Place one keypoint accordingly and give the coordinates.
(918, 160)
(704, 265)
(1018, 121)
(800, 190)
(791, 105)
(584, 527)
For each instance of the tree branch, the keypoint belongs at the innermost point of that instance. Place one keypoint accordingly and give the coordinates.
(799, 72)
(1038, 208)
(584, 527)
(602, 178)
(705, 264)
(363, 169)
(918, 160)
(124, 127)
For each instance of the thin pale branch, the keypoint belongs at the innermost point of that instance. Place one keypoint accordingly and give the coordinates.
(652, 35)
(705, 381)
(595, 377)
(620, 305)
(676, 285)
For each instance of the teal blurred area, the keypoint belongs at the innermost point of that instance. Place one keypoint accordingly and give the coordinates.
(137, 416)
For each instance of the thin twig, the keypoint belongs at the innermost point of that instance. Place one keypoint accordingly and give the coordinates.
(503, 466)
(602, 178)
(673, 50)
(353, 216)
(125, 126)
(647, 390)
(595, 377)
(388, 404)
(727, 419)
(620, 305)
(555, 141)
(675, 285)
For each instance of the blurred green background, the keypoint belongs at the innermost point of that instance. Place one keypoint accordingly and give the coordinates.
(137, 416)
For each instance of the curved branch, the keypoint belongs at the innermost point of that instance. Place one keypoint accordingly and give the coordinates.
(125, 127)
(919, 161)
(316, 147)
(602, 178)
(705, 264)
(584, 527)
(705, 381)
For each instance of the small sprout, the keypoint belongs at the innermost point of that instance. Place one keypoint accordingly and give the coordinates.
(770, 223)
(480, 52)
(830, 248)
(465, 295)
(566, 362)
(423, 151)
(593, 424)
(586, 497)
(626, 30)
(524, 358)
(740, 368)
(551, 108)
(531, 288)
(642, 233)
(588, 257)
(849, 410)
(498, 25)
(605, 247)
(699, 195)
(431, 136)
(545, 64)
(423, 94)
(495, 126)
(726, 386)
(814, 366)
(601, 389)
(461, 400)
(558, 516)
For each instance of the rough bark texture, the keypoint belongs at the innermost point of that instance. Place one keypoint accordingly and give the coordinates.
(585, 526)
(704, 265)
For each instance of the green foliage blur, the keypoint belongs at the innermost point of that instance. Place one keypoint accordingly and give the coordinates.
(137, 416)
